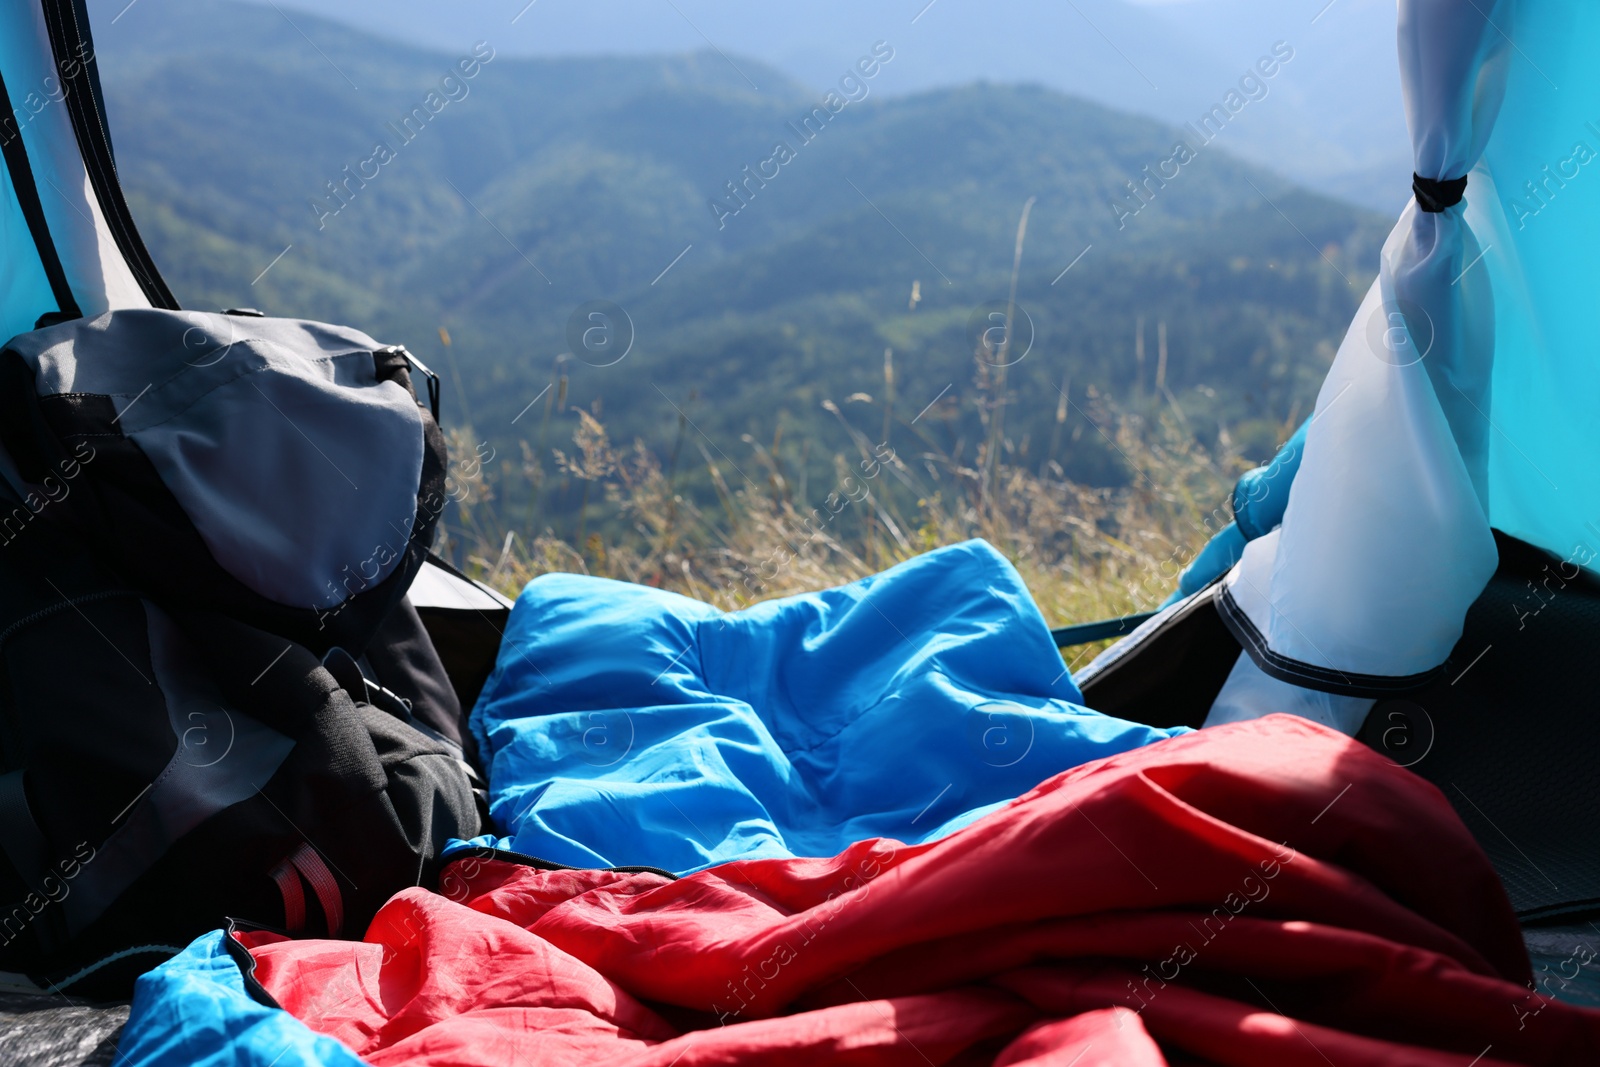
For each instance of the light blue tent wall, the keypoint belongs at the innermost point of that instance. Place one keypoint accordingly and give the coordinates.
(1534, 204)
(25, 292)
(1544, 262)
(58, 163)
(1463, 395)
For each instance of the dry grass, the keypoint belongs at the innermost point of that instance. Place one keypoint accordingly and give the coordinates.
(1085, 552)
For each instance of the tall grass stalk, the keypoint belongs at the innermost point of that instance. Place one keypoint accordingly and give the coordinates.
(1085, 552)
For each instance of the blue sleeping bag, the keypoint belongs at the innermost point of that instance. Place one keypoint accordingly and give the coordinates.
(194, 1011)
(624, 725)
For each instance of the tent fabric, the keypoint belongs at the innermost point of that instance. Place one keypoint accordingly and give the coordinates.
(1533, 210)
(1264, 893)
(32, 276)
(1538, 209)
(625, 725)
(1248, 693)
(41, 86)
(1385, 542)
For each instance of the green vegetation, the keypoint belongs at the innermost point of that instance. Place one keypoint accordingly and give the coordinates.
(758, 370)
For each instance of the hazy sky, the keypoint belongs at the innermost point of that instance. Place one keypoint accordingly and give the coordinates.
(1332, 119)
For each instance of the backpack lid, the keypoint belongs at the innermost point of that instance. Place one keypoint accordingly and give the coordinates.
(68, 245)
(296, 460)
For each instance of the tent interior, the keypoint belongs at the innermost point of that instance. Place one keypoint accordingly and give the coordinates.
(1431, 586)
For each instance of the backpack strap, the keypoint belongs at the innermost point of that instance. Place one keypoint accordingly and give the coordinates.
(294, 896)
(305, 862)
(312, 868)
(224, 756)
(24, 845)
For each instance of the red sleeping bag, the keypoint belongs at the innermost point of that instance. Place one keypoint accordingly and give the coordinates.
(1269, 893)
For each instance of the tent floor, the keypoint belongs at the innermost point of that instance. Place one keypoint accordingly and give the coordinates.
(51, 1030)
(1566, 961)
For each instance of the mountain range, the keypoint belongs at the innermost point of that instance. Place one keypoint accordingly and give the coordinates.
(750, 250)
(1335, 123)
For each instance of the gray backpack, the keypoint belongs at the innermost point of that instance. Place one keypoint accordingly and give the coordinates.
(208, 524)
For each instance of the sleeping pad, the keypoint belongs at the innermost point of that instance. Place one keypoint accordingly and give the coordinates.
(1263, 893)
(625, 725)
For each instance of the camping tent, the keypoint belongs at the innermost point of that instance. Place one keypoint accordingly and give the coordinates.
(1448, 407)
(1451, 410)
(1449, 437)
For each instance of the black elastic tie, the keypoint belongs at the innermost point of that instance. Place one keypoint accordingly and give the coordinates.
(1434, 196)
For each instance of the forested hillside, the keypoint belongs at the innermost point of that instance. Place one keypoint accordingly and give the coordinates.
(751, 253)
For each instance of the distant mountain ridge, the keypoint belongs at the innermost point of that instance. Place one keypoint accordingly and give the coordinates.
(1335, 125)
